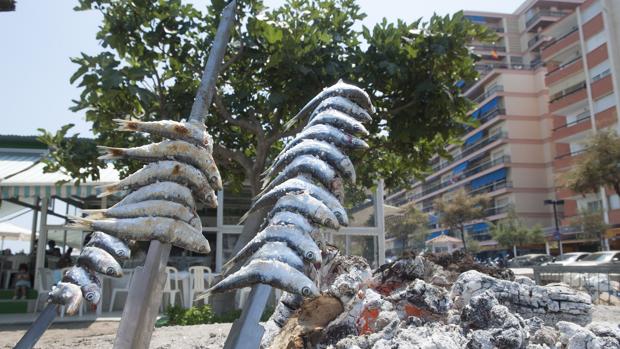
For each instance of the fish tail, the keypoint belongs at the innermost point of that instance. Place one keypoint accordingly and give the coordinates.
(108, 190)
(126, 125)
(96, 215)
(111, 153)
(291, 122)
(80, 223)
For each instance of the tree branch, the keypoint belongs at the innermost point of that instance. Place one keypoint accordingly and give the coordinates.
(237, 156)
(224, 113)
(234, 58)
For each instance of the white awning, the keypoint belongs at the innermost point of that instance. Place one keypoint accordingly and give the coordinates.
(28, 179)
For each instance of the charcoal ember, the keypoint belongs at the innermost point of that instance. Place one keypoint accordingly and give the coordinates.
(573, 336)
(401, 272)
(604, 330)
(491, 325)
(552, 303)
(546, 336)
(345, 276)
(421, 299)
(459, 262)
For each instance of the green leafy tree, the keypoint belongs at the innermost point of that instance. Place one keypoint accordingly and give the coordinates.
(410, 228)
(461, 209)
(510, 232)
(599, 166)
(592, 225)
(153, 53)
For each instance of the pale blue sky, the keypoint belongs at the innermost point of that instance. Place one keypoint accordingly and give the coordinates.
(39, 38)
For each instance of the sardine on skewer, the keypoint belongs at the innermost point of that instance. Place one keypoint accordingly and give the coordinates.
(270, 272)
(308, 206)
(279, 251)
(339, 120)
(171, 171)
(292, 236)
(89, 284)
(67, 294)
(298, 185)
(342, 89)
(170, 150)
(330, 134)
(149, 208)
(98, 260)
(169, 191)
(325, 151)
(307, 164)
(166, 230)
(112, 245)
(342, 105)
(190, 131)
(288, 218)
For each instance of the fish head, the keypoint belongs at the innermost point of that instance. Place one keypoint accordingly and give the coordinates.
(341, 216)
(91, 293)
(309, 289)
(114, 271)
(349, 169)
(67, 294)
(122, 253)
(211, 199)
(311, 253)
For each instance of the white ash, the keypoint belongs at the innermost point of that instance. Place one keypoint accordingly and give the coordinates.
(552, 303)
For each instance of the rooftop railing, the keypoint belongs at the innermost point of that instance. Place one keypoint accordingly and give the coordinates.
(545, 13)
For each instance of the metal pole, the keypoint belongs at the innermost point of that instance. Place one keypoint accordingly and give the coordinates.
(380, 221)
(142, 305)
(37, 328)
(557, 226)
(40, 256)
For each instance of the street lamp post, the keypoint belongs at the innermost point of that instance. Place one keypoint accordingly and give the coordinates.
(557, 234)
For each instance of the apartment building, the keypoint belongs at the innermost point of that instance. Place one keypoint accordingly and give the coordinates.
(583, 62)
(530, 110)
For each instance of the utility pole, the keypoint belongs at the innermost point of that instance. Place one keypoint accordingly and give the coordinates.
(556, 220)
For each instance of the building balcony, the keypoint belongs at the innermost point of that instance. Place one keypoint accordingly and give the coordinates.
(489, 188)
(567, 97)
(490, 92)
(560, 43)
(461, 176)
(563, 71)
(567, 159)
(490, 48)
(602, 84)
(470, 149)
(537, 40)
(543, 18)
(580, 124)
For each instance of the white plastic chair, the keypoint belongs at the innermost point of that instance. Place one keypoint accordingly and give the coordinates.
(172, 286)
(197, 282)
(124, 288)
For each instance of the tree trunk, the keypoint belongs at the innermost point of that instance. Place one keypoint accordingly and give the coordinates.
(462, 229)
(514, 250)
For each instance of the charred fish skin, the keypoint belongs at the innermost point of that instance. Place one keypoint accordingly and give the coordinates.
(96, 259)
(271, 272)
(170, 150)
(308, 206)
(330, 134)
(112, 245)
(169, 191)
(305, 164)
(166, 230)
(67, 294)
(88, 283)
(342, 89)
(302, 185)
(343, 105)
(290, 235)
(172, 171)
(340, 121)
(191, 131)
(149, 208)
(320, 149)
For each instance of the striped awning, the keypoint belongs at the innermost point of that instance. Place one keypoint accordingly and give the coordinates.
(33, 182)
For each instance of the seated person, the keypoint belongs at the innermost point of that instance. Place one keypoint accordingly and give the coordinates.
(22, 282)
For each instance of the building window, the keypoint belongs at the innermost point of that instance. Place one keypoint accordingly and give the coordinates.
(576, 148)
(595, 41)
(600, 71)
(604, 103)
(614, 202)
(590, 12)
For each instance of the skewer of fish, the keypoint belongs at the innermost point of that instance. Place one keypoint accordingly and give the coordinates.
(302, 193)
(161, 205)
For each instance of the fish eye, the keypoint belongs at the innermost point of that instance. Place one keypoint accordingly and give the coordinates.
(305, 291)
(120, 253)
(213, 179)
(110, 271)
(310, 255)
(328, 222)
